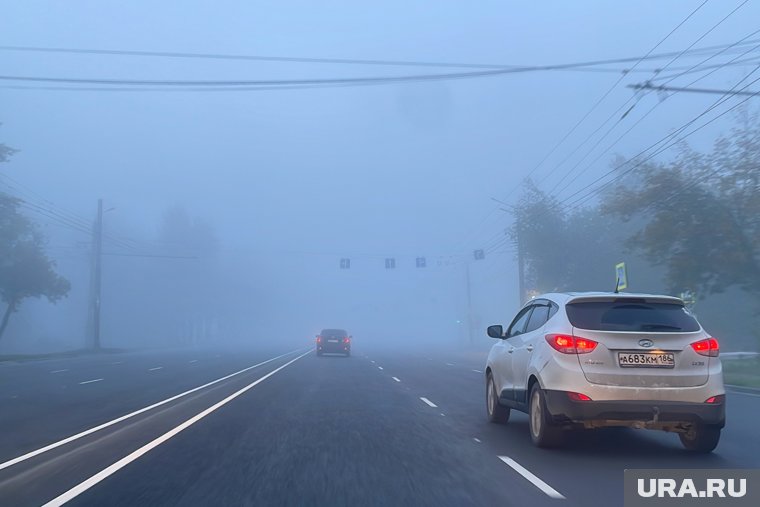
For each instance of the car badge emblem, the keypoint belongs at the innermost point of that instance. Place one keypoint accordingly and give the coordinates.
(646, 343)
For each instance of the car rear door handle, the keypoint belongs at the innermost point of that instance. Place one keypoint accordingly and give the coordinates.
(511, 349)
(529, 348)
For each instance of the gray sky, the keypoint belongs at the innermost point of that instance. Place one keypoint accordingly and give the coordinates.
(397, 169)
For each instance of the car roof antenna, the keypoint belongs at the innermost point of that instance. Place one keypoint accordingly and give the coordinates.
(617, 285)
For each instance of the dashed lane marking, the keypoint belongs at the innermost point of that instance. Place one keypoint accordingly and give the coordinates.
(517, 467)
(429, 403)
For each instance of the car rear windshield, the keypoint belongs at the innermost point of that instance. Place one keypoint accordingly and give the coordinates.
(631, 315)
(334, 332)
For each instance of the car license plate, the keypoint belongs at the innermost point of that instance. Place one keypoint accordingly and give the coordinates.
(333, 341)
(646, 359)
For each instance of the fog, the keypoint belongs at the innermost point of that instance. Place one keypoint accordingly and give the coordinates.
(228, 212)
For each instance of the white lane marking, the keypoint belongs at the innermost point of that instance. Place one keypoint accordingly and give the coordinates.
(90, 381)
(90, 431)
(476, 439)
(443, 414)
(59, 371)
(115, 467)
(379, 367)
(745, 394)
(396, 379)
(193, 361)
(449, 364)
(517, 467)
(477, 371)
(156, 368)
(430, 403)
(371, 361)
(118, 362)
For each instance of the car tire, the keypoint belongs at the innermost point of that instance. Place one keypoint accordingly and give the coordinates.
(543, 432)
(702, 439)
(348, 354)
(319, 352)
(496, 413)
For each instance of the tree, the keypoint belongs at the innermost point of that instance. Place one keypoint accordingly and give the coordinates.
(5, 152)
(700, 214)
(540, 229)
(25, 270)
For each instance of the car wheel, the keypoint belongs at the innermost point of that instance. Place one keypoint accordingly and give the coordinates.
(348, 353)
(496, 413)
(701, 438)
(543, 432)
(319, 352)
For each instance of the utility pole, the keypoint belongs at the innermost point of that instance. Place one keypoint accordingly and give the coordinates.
(520, 266)
(469, 304)
(98, 254)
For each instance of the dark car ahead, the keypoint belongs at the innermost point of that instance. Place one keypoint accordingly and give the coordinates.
(333, 341)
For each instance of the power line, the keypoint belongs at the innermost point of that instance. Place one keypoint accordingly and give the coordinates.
(590, 165)
(650, 86)
(600, 100)
(579, 200)
(612, 127)
(341, 61)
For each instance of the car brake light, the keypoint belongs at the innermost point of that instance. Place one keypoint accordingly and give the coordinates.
(570, 344)
(346, 340)
(707, 347)
(578, 396)
(319, 339)
(716, 399)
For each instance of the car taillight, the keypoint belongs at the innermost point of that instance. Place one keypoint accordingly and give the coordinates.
(578, 396)
(346, 340)
(716, 399)
(707, 347)
(319, 339)
(568, 344)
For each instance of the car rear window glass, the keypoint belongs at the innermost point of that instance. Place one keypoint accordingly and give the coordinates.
(631, 316)
(334, 332)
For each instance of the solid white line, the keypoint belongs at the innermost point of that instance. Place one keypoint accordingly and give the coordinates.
(59, 371)
(90, 381)
(156, 368)
(477, 371)
(115, 467)
(745, 394)
(429, 402)
(379, 367)
(517, 467)
(396, 379)
(90, 431)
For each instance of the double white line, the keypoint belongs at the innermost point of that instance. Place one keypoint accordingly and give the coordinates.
(92, 430)
(110, 470)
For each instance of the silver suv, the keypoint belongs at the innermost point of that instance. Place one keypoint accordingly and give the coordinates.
(590, 360)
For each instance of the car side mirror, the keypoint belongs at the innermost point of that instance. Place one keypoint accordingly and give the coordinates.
(495, 331)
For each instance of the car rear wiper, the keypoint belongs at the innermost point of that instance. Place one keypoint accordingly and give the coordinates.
(660, 326)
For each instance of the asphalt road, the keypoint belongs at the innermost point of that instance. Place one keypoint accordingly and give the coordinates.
(279, 427)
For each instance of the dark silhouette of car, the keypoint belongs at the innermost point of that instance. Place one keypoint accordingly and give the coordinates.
(334, 341)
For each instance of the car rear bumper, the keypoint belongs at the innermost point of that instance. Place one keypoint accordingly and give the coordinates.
(336, 348)
(563, 409)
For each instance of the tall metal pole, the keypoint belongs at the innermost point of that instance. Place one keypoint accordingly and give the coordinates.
(98, 249)
(469, 304)
(520, 266)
